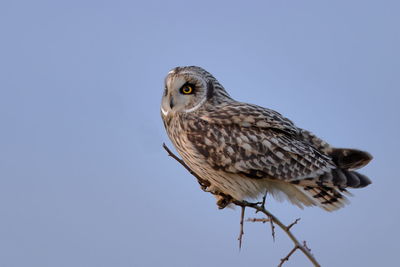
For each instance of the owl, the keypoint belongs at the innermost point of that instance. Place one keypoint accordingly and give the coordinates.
(244, 151)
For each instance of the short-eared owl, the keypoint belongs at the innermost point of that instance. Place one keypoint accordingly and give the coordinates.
(243, 150)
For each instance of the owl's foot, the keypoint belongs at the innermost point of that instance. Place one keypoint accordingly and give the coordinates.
(223, 200)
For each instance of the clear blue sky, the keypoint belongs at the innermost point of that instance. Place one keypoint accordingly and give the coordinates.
(84, 180)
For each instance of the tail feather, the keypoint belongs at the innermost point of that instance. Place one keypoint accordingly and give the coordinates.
(328, 190)
(350, 159)
(364, 180)
(329, 199)
(344, 178)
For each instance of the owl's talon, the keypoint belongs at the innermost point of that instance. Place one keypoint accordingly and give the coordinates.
(223, 201)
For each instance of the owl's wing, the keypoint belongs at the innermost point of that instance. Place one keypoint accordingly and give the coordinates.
(248, 115)
(255, 142)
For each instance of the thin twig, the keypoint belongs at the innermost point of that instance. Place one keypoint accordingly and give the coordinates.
(263, 220)
(287, 256)
(241, 233)
(293, 223)
(271, 222)
(305, 246)
(204, 184)
(259, 208)
(264, 198)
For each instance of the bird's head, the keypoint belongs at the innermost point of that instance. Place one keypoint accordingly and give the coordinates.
(187, 89)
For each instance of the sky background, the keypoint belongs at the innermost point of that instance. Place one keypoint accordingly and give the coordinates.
(84, 180)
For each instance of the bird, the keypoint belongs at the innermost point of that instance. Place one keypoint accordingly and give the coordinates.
(244, 151)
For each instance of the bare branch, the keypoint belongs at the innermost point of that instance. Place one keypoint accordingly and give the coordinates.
(264, 198)
(287, 256)
(305, 246)
(293, 223)
(259, 207)
(241, 233)
(203, 183)
(263, 220)
(271, 222)
(272, 217)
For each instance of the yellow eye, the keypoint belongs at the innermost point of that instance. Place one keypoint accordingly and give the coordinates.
(187, 89)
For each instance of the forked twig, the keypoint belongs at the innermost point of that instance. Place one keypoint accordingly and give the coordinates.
(271, 222)
(297, 245)
(259, 207)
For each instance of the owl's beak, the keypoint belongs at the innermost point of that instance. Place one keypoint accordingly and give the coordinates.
(164, 112)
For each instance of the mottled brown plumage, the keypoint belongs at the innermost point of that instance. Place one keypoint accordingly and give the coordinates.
(244, 150)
